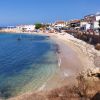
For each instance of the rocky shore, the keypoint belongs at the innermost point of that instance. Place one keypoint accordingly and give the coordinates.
(87, 49)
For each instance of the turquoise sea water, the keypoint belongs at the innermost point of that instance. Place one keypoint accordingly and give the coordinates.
(25, 64)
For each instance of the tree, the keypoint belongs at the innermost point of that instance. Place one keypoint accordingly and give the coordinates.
(38, 25)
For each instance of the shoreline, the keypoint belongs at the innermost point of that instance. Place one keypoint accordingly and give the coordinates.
(72, 42)
(12, 31)
(85, 54)
(83, 59)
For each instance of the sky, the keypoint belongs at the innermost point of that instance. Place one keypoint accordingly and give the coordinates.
(15, 12)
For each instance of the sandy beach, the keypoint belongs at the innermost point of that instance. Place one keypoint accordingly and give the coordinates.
(74, 56)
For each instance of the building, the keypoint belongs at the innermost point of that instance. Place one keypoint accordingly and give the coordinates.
(26, 28)
(84, 26)
(74, 24)
(93, 19)
(59, 24)
(95, 24)
(89, 18)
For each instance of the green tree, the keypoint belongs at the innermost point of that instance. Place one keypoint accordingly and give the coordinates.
(38, 25)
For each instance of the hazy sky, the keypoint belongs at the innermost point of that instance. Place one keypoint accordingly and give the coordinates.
(14, 12)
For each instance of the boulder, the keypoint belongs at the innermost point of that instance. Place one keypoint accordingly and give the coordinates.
(97, 46)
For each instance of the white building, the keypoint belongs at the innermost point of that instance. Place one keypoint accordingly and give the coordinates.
(95, 24)
(26, 28)
(98, 18)
(85, 25)
(29, 27)
(59, 24)
(94, 20)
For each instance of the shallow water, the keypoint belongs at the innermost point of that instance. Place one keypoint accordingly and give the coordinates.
(25, 64)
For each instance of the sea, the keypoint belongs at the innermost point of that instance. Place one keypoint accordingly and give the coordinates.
(27, 61)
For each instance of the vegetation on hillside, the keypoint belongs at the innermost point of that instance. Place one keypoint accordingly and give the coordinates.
(41, 26)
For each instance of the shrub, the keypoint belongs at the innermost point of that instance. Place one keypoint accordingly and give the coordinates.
(38, 25)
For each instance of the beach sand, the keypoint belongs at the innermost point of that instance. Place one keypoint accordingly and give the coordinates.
(71, 61)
